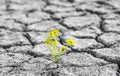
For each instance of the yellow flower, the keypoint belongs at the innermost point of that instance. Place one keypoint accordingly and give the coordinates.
(70, 42)
(51, 34)
(55, 42)
(64, 48)
(54, 33)
(48, 41)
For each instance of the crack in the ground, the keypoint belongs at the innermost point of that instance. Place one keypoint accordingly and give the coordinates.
(38, 21)
(101, 23)
(27, 36)
(36, 55)
(94, 12)
(48, 12)
(105, 4)
(118, 70)
(84, 37)
(7, 28)
(61, 23)
(8, 46)
(59, 19)
(99, 41)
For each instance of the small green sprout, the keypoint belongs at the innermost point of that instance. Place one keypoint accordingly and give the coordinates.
(52, 42)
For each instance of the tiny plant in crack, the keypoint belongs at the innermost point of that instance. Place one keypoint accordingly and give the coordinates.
(52, 43)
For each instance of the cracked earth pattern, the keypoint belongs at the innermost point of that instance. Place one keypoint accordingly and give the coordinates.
(93, 24)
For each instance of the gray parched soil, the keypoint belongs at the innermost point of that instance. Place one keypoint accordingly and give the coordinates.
(93, 24)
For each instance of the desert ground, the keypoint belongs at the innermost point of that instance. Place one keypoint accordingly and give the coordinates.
(93, 24)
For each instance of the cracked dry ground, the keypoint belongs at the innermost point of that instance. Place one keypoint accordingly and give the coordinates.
(94, 24)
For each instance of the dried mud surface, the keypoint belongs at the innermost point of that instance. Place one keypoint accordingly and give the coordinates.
(93, 24)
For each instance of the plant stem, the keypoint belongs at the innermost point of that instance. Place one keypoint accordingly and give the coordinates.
(50, 48)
